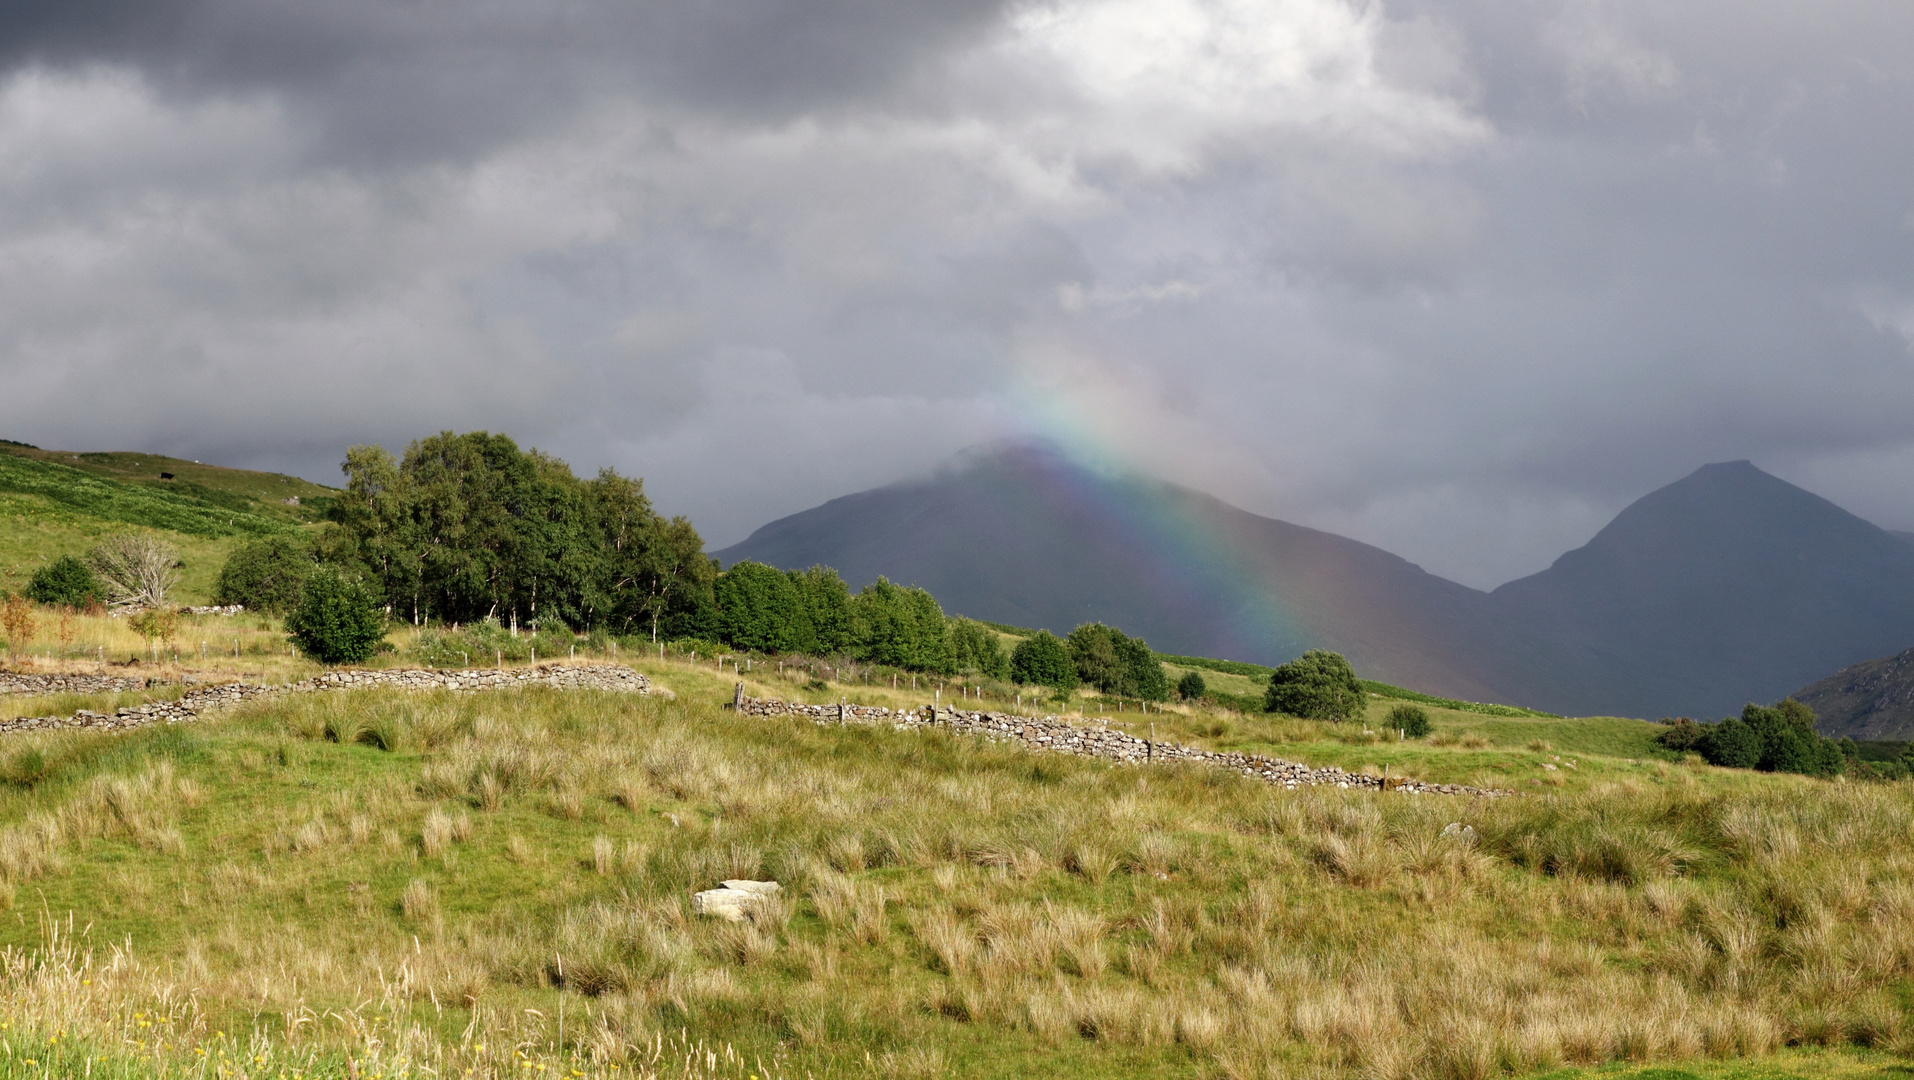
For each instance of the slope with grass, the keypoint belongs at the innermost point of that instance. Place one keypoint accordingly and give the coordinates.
(49, 509)
(380, 882)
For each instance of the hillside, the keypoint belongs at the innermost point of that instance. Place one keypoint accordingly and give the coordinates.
(1725, 587)
(1871, 701)
(51, 507)
(497, 884)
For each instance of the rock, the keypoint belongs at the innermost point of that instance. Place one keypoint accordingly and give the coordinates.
(733, 903)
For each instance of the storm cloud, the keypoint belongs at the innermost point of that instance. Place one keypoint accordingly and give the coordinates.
(1457, 279)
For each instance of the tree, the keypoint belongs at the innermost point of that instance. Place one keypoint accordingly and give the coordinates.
(1319, 685)
(267, 574)
(902, 627)
(338, 620)
(136, 570)
(760, 608)
(66, 581)
(1042, 659)
(1191, 687)
(1117, 663)
(975, 648)
(468, 527)
(827, 604)
(1731, 744)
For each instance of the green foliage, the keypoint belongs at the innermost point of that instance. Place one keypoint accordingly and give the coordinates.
(827, 606)
(154, 624)
(1771, 738)
(267, 574)
(132, 504)
(467, 527)
(761, 610)
(1042, 659)
(1116, 663)
(337, 620)
(67, 580)
(1319, 685)
(975, 648)
(1190, 687)
(902, 628)
(1411, 720)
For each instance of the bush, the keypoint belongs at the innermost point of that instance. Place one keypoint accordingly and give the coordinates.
(1411, 720)
(267, 574)
(337, 620)
(66, 581)
(1772, 738)
(1042, 659)
(1190, 687)
(1318, 685)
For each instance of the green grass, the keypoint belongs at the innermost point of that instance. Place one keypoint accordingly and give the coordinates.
(256, 492)
(35, 530)
(954, 906)
(131, 504)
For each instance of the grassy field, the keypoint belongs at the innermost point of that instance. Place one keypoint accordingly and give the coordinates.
(387, 884)
(54, 504)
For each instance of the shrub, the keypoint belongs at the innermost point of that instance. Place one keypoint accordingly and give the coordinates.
(1318, 685)
(1042, 659)
(66, 581)
(1411, 720)
(337, 621)
(1682, 735)
(267, 574)
(1190, 687)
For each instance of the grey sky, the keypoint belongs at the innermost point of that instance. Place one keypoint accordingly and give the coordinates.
(1458, 279)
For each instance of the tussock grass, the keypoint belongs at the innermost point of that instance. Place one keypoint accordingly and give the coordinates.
(491, 862)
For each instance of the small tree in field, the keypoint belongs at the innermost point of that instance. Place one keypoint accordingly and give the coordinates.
(1318, 685)
(17, 623)
(136, 570)
(337, 621)
(267, 574)
(1191, 686)
(155, 625)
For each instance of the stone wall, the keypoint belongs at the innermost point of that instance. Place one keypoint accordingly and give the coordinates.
(1053, 733)
(190, 705)
(23, 682)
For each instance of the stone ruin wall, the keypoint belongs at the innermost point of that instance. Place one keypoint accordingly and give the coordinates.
(1054, 734)
(204, 699)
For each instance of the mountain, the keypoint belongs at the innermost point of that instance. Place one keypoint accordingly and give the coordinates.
(1872, 700)
(1727, 586)
(1019, 534)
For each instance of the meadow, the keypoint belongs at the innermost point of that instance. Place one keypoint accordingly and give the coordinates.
(388, 884)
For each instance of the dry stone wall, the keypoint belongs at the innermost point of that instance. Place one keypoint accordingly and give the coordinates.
(24, 682)
(1053, 733)
(190, 705)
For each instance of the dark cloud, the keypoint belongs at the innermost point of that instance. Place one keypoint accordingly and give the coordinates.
(1459, 279)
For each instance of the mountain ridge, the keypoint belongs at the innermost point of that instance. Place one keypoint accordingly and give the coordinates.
(1725, 586)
